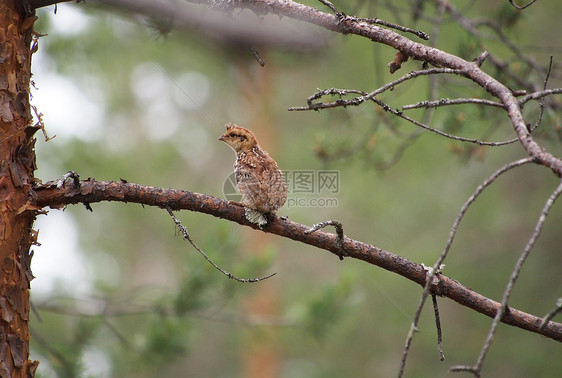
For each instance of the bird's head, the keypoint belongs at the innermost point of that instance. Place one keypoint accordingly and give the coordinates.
(239, 138)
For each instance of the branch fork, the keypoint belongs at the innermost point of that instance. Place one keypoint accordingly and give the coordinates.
(339, 232)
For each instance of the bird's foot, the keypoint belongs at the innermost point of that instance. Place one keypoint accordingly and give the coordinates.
(256, 217)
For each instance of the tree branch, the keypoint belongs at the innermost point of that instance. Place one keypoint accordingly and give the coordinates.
(92, 191)
(412, 50)
(187, 237)
(359, 27)
(514, 276)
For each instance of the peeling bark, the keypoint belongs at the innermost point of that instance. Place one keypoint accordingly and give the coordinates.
(17, 164)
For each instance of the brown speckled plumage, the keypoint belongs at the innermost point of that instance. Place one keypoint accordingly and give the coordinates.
(258, 177)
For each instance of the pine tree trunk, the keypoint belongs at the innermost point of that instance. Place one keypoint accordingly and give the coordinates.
(17, 164)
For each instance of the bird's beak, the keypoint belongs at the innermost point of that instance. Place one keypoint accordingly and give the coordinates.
(221, 138)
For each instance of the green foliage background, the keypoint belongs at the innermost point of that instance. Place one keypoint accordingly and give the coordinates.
(158, 309)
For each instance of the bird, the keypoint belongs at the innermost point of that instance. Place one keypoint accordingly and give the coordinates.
(258, 178)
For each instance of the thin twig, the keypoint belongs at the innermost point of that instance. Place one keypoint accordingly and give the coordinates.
(481, 58)
(116, 332)
(371, 96)
(542, 105)
(433, 88)
(374, 20)
(432, 272)
(186, 236)
(476, 369)
(515, 47)
(551, 314)
(539, 94)
(364, 95)
(339, 233)
(257, 57)
(471, 26)
(456, 101)
(41, 124)
(399, 152)
(438, 325)
(140, 309)
(330, 5)
(547, 73)
(398, 113)
(47, 347)
(359, 100)
(343, 17)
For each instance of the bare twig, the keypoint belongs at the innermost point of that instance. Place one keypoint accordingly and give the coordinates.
(364, 95)
(406, 142)
(41, 124)
(551, 314)
(257, 57)
(438, 326)
(377, 21)
(456, 101)
(46, 347)
(433, 89)
(511, 283)
(418, 51)
(547, 73)
(515, 48)
(186, 236)
(398, 113)
(339, 232)
(444, 253)
(330, 5)
(481, 58)
(117, 332)
(478, 101)
(118, 309)
(542, 105)
(472, 27)
(345, 18)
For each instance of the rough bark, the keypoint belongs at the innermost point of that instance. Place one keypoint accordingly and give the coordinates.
(57, 195)
(17, 165)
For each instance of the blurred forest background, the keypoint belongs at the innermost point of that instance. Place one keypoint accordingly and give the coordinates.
(118, 292)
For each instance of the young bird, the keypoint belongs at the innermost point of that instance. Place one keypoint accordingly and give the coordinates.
(258, 177)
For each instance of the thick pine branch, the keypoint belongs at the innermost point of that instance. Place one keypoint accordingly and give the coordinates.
(91, 191)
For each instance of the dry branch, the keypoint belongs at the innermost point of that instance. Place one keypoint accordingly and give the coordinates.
(416, 51)
(187, 237)
(92, 191)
